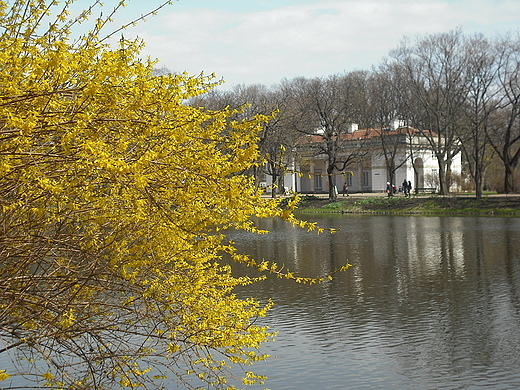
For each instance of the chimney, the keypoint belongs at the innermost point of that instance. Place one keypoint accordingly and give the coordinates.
(395, 124)
(352, 127)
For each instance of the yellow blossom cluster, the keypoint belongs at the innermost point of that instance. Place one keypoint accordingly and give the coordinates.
(113, 196)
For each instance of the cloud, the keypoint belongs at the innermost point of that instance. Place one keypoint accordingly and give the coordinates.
(312, 39)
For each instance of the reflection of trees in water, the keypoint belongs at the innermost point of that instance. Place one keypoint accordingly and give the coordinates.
(435, 299)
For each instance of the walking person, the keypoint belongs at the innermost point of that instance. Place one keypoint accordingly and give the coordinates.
(405, 188)
(389, 189)
(345, 189)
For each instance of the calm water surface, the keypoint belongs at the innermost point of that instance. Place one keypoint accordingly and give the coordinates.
(429, 303)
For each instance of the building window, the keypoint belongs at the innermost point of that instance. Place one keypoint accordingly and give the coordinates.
(365, 179)
(349, 180)
(318, 183)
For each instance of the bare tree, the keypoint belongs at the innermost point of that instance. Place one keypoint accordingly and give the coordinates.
(504, 132)
(324, 108)
(481, 103)
(276, 140)
(392, 136)
(430, 76)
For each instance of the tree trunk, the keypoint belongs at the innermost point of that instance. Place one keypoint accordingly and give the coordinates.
(274, 191)
(391, 179)
(442, 177)
(478, 185)
(332, 182)
(508, 179)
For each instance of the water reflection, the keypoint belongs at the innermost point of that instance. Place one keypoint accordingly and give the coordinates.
(430, 303)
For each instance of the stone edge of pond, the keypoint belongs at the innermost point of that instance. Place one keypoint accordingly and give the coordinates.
(459, 206)
(439, 212)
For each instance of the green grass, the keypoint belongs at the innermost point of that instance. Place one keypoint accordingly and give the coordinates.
(422, 205)
(380, 201)
(333, 206)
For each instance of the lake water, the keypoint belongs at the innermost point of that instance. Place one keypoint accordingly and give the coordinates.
(429, 303)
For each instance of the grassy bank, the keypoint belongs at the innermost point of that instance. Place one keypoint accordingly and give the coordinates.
(489, 205)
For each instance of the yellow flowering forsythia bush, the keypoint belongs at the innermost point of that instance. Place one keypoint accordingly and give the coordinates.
(113, 194)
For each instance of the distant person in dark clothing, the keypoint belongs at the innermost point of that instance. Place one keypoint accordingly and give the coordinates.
(405, 188)
(389, 189)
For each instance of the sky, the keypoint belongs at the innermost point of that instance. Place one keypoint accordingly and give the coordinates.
(265, 41)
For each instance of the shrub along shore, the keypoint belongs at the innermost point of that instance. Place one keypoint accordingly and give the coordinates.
(501, 205)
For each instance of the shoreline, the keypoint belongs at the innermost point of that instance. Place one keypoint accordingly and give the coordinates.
(489, 205)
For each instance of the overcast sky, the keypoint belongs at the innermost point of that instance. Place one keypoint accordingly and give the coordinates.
(264, 41)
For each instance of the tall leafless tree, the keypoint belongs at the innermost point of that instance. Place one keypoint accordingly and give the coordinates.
(324, 108)
(504, 131)
(430, 75)
(481, 103)
(276, 141)
(384, 103)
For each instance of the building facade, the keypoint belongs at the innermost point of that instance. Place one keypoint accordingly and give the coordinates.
(401, 149)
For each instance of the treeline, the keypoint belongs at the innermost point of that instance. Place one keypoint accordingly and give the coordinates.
(462, 91)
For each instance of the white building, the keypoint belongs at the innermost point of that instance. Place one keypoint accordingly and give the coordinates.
(413, 159)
